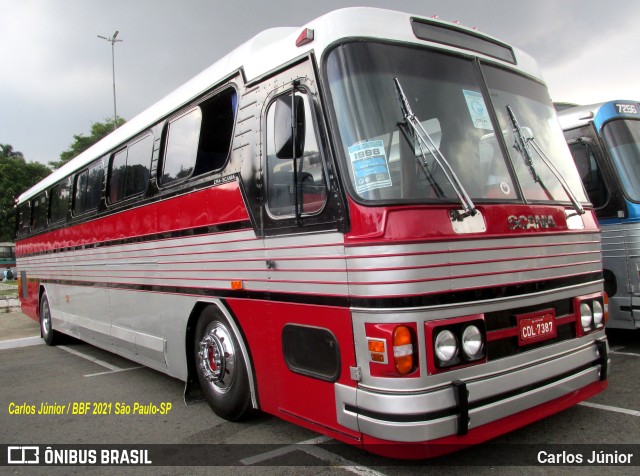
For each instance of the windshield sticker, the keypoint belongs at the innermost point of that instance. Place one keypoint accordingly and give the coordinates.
(369, 164)
(478, 110)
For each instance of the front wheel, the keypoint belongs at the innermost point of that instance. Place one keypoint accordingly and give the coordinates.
(50, 336)
(221, 368)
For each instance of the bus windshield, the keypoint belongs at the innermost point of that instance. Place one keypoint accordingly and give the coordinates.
(623, 140)
(386, 163)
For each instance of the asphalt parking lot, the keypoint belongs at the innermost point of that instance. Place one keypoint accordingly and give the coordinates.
(139, 406)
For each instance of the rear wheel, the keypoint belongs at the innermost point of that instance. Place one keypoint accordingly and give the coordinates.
(221, 368)
(50, 336)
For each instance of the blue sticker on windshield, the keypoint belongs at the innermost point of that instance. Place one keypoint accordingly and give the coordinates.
(478, 110)
(369, 164)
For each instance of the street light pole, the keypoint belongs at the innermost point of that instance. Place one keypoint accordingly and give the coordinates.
(113, 40)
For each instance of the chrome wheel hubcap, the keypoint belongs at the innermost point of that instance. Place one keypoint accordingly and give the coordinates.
(216, 357)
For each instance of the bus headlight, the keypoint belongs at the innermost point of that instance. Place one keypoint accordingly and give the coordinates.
(446, 346)
(471, 342)
(454, 343)
(598, 314)
(593, 313)
(586, 316)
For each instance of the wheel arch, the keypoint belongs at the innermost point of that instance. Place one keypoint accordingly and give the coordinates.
(192, 391)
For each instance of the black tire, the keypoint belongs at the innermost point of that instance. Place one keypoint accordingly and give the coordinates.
(50, 336)
(220, 366)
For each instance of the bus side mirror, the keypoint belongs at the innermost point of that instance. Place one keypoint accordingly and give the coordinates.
(287, 114)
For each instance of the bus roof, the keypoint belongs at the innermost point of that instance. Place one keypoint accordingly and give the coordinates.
(270, 50)
(598, 113)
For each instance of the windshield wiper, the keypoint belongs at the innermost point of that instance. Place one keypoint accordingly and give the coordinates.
(522, 146)
(425, 141)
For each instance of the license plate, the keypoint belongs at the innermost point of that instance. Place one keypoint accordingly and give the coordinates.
(536, 327)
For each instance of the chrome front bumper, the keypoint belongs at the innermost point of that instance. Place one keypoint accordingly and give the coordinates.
(456, 408)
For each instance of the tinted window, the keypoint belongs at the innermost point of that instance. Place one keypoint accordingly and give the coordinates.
(39, 212)
(130, 170)
(138, 162)
(198, 142)
(590, 173)
(24, 218)
(88, 189)
(59, 201)
(94, 187)
(183, 135)
(218, 116)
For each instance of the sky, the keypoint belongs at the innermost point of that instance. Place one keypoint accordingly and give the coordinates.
(56, 74)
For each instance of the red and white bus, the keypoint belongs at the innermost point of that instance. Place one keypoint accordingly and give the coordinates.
(370, 226)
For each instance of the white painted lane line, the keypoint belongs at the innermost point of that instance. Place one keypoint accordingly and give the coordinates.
(309, 447)
(102, 363)
(115, 371)
(24, 342)
(282, 451)
(610, 409)
(268, 455)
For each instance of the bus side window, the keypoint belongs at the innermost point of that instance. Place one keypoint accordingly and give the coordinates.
(198, 141)
(590, 173)
(80, 195)
(117, 175)
(24, 218)
(182, 147)
(59, 202)
(218, 119)
(94, 187)
(88, 189)
(39, 212)
(129, 174)
(311, 187)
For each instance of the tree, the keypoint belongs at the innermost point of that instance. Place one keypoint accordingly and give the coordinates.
(81, 142)
(16, 176)
(7, 151)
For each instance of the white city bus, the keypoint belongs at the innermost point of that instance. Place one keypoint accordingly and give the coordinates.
(370, 226)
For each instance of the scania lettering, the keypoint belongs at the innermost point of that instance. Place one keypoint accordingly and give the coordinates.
(320, 227)
(531, 222)
(605, 142)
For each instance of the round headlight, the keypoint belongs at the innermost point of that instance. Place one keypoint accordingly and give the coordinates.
(446, 346)
(586, 317)
(471, 341)
(598, 315)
